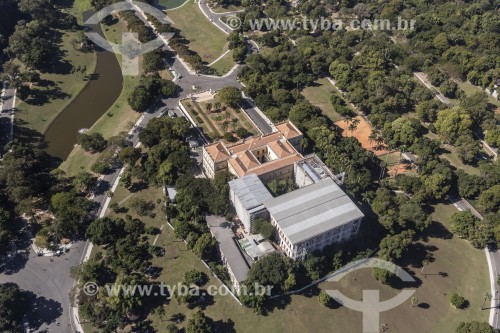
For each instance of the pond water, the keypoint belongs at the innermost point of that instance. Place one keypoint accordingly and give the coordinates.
(102, 90)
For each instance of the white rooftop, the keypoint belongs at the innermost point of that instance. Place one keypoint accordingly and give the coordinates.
(312, 210)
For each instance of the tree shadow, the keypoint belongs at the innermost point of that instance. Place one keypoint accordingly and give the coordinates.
(417, 253)
(15, 264)
(423, 305)
(43, 311)
(436, 230)
(226, 326)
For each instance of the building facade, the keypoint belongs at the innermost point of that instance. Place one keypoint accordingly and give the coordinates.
(247, 196)
(270, 156)
(313, 217)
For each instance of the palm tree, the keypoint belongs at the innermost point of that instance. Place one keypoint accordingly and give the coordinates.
(304, 143)
(487, 296)
(354, 124)
(379, 140)
(372, 137)
(425, 262)
(414, 301)
(347, 119)
(208, 106)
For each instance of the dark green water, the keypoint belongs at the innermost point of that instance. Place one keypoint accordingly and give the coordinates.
(94, 100)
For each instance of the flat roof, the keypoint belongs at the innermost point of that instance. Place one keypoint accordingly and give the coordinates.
(250, 191)
(221, 230)
(312, 210)
(256, 246)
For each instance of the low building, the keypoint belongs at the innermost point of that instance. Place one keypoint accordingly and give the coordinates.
(270, 156)
(310, 170)
(232, 257)
(256, 246)
(247, 196)
(313, 217)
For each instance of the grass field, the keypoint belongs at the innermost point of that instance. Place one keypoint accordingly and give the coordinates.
(305, 314)
(470, 89)
(57, 88)
(224, 64)
(319, 95)
(450, 154)
(204, 38)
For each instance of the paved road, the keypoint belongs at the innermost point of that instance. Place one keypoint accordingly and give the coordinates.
(6, 115)
(215, 17)
(48, 280)
(423, 78)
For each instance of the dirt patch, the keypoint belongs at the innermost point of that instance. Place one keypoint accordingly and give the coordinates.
(362, 133)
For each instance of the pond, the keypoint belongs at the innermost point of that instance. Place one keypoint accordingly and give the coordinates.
(102, 90)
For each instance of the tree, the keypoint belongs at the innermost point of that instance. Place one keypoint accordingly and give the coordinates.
(270, 271)
(129, 155)
(393, 247)
(475, 327)
(382, 275)
(169, 88)
(469, 186)
(324, 299)
(467, 148)
(72, 212)
(462, 223)
(85, 182)
(458, 301)
(205, 246)
(492, 137)
(105, 230)
(230, 96)
(208, 106)
(13, 306)
(195, 277)
(315, 266)
(414, 301)
(487, 297)
(263, 227)
(199, 323)
(490, 199)
(93, 142)
(451, 123)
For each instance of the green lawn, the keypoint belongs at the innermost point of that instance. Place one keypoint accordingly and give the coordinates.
(470, 89)
(319, 95)
(57, 88)
(224, 64)
(204, 37)
(230, 8)
(77, 161)
(451, 156)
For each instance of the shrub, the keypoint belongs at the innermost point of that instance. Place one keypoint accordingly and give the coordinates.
(457, 301)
